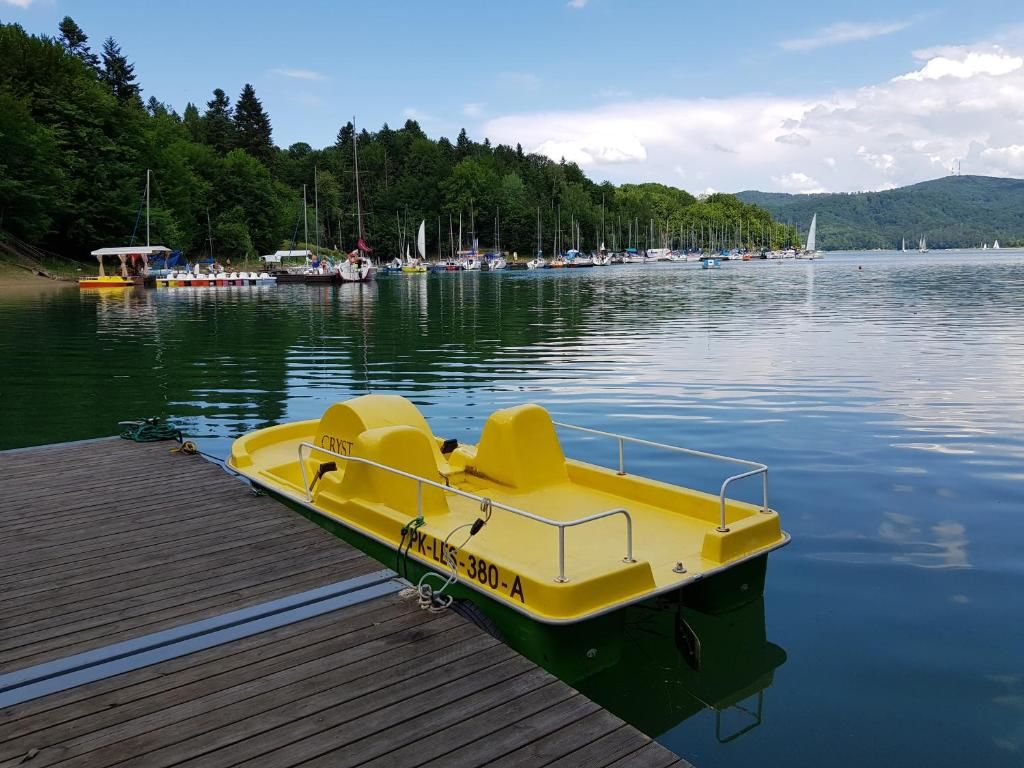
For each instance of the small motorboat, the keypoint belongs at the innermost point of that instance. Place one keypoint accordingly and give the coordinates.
(710, 263)
(537, 263)
(512, 523)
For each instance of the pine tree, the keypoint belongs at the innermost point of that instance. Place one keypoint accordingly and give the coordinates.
(218, 123)
(345, 134)
(253, 126)
(192, 122)
(463, 145)
(75, 41)
(118, 73)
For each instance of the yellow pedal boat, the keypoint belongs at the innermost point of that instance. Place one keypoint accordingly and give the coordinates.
(556, 539)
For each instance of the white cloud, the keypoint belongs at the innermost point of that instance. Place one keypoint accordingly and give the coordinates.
(798, 182)
(844, 32)
(894, 132)
(963, 64)
(300, 74)
(882, 162)
(577, 4)
(1008, 159)
(473, 109)
(19, 3)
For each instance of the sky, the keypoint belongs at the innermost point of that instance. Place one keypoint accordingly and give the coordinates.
(791, 96)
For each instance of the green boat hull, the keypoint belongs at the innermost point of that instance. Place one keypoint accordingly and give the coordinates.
(572, 652)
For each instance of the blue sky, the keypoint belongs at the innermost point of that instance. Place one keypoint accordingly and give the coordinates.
(692, 94)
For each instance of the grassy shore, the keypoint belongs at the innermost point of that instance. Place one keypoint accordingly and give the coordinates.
(18, 279)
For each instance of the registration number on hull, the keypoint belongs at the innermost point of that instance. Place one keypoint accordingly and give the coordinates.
(473, 568)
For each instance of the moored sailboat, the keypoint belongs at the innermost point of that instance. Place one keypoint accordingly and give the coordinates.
(417, 265)
(358, 267)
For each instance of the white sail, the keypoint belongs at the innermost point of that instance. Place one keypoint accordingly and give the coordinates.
(421, 240)
(904, 246)
(812, 235)
(995, 244)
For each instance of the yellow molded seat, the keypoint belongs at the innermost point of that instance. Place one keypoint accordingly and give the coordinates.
(343, 423)
(519, 448)
(404, 448)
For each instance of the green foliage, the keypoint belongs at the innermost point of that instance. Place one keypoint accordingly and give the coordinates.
(76, 141)
(951, 212)
(76, 42)
(118, 73)
(218, 125)
(253, 126)
(30, 175)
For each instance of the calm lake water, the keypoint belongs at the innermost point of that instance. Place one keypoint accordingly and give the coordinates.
(885, 392)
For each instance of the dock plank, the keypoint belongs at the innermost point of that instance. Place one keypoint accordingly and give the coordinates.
(190, 515)
(91, 556)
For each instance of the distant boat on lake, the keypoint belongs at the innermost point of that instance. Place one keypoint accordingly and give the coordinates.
(922, 245)
(811, 251)
(995, 245)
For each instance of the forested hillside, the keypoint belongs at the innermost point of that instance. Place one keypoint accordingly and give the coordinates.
(77, 133)
(951, 212)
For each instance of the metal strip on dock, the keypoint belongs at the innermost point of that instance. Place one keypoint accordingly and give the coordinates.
(61, 674)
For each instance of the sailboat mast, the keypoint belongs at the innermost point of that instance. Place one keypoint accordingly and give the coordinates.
(209, 231)
(147, 207)
(305, 219)
(355, 160)
(316, 209)
(539, 248)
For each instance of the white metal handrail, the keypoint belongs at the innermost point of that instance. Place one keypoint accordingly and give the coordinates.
(561, 525)
(758, 468)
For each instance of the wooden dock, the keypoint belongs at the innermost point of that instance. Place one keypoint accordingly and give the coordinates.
(155, 613)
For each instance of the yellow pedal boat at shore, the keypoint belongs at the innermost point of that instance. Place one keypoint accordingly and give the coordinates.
(556, 539)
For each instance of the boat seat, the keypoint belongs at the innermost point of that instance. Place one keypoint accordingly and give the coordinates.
(401, 447)
(519, 448)
(343, 423)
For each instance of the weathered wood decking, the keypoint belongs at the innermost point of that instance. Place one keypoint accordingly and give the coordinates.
(108, 541)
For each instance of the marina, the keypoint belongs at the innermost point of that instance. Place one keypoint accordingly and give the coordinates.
(135, 629)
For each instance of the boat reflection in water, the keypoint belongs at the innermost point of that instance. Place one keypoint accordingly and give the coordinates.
(676, 662)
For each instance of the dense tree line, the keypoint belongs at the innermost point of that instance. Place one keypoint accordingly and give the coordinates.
(76, 138)
(951, 212)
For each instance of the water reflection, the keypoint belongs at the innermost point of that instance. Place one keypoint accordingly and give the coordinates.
(886, 401)
(678, 662)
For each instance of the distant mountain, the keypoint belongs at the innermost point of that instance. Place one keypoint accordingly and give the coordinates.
(951, 212)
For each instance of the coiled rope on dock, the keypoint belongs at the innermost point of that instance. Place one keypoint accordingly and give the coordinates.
(154, 430)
